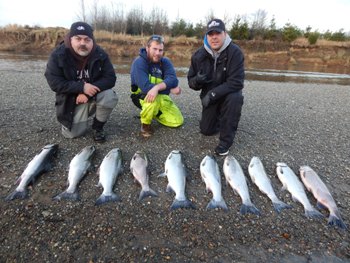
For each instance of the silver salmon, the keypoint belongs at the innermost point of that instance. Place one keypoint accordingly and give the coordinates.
(109, 170)
(324, 198)
(176, 173)
(235, 178)
(210, 174)
(259, 177)
(77, 169)
(40, 164)
(291, 182)
(138, 167)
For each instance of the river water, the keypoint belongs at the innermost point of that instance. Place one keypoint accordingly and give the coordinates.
(37, 63)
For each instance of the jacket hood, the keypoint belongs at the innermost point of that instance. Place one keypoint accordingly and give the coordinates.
(143, 53)
(214, 54)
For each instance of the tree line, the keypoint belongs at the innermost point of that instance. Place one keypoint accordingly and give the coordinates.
(116, 19)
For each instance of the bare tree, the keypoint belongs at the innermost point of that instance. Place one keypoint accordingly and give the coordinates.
(158, 21)
(94, 14)
(118, 18)
(226, 19)
(258, 25)
(135, 21)
(209, 16)
(81, 15)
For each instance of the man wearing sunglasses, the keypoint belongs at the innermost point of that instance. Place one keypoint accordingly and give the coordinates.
(153, 78)
(82, 75)
(217, 69)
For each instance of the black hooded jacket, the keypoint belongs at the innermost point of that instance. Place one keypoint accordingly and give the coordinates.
(226, 73)
(61, 75)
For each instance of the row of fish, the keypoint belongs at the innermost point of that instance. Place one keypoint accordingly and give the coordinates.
(110, 168)
(175, 171)
(234, 175)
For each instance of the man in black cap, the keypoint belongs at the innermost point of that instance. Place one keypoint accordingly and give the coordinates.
(217, 69)
(82, 75)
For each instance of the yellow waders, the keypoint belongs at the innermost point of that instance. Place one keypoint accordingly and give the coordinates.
(163, 109)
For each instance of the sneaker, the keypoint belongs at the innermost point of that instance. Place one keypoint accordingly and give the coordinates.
(99, 136)
(221, 150)
(146, 130)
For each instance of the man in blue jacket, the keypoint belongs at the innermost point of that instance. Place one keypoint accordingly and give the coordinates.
(217, 69)
(153, 78)
(82, 75)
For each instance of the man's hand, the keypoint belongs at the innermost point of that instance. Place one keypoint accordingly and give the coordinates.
(205, 101)
(90, 89)
(81, 99)
(176, 91)
(151, 94)
(202, 78)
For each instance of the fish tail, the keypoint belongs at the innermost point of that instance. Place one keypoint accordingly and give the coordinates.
(182, 204)
(279, 206)
(17, 195)
(67, 196)
(313, 213)
(217, 204)
(144, 194)
(107, 198)
(333, 220)
(249, 209)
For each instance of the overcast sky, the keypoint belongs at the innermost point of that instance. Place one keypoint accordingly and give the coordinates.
(321, 15)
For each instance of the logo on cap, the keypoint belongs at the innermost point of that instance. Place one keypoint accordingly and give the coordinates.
(80, 28)
(213, 23)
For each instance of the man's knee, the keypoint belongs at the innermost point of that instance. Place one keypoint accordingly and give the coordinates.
(77, 130)
(208, 130)
(107, 99)
(236, 98)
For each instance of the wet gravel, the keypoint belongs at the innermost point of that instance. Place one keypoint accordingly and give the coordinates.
(291, 122)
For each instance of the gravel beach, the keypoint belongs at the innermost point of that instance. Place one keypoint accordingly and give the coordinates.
(296, 123)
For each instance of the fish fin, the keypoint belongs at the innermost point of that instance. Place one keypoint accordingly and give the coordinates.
(67, 196)
(136, 181)
(294, 199)
(217, 204)
(208, 189)
(320, 205)
(182, 204)
(336, 221)
(169, 189)
(107, 198)
(48, 167)
(17, 195)
(162, 175)
(32, 181)
(313, 213)
(249, 209)
(144, 194)
(18, 180)
(283, 188)
(279, 206)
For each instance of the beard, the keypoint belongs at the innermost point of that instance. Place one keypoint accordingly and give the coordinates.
(83, 51)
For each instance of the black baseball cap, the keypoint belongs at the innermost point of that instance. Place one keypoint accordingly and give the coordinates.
(215, 25)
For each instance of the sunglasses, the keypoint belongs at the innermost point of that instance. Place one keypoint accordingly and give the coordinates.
(156, 38)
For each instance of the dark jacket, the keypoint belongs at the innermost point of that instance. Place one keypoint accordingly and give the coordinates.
(141, 68)
(61, 75)
(225, 77)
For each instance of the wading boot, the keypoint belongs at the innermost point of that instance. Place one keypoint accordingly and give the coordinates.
(146, 130)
